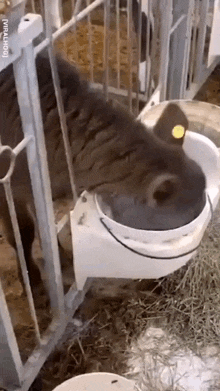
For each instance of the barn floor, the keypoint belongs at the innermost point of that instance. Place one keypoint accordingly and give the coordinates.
(110, 331)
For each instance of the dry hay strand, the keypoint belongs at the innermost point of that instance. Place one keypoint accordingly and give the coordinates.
(158, 362)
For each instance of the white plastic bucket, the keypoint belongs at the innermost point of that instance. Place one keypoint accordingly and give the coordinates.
(104, 248)
(100, 381)
(183, 239)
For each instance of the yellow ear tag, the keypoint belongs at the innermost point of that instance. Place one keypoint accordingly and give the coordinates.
(178, 131)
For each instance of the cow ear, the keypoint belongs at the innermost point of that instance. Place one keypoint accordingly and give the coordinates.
(172, 125)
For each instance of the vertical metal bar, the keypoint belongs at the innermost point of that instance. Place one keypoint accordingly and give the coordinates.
(33, 6)
(193, 41)
(12, 212)
(74, 29)
(214, 49)
(10, 361)
(55, 9)
(72, 7)
(60, 106)
(41, 6)
(118, 43)
(139, 31)
(90, 35)
(77, 7)
(129, 35)
(106, 47)
(166, 23)
(179, 57)
(28, 99)
(201, 39)
(76, 52)
(148, 60)
(154, 46)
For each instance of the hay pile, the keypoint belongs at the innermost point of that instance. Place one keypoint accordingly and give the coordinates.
(75, 46)
(105, 332)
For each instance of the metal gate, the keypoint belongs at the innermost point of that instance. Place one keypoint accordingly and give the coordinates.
(139, 52)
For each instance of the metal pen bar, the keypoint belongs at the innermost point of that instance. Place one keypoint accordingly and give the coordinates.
(28, 99)
(10, 359)
(139, 30)
(42, 6)
(186, 57)
(74, 30)
(177, 23)
(129, 35)
(147, 70)
(166, 23)
(60, 107)
(119, 91)
(153, 51)
(22, 145)
(201, 39)
(90, 36)
(179, 50)
(193, 41)
(77, 6)
(118, 43)
(106, 47)
(33, 7)
(54, 8)
(72, 7)
(20, 250)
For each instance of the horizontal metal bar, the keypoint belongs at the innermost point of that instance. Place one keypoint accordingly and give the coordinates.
(176, 24)
(119, 91)
(19, 148)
